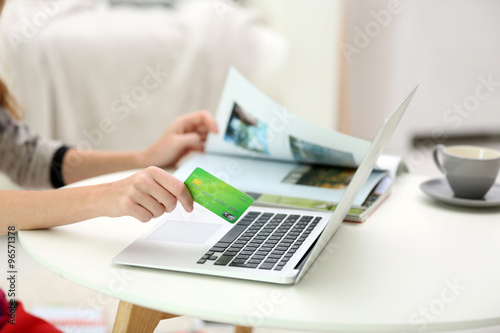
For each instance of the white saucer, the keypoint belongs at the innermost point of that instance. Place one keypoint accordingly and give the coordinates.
(440, 190)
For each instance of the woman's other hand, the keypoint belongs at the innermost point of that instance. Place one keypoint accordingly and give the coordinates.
(187, 133)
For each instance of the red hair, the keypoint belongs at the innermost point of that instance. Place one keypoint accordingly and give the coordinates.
(7, 100)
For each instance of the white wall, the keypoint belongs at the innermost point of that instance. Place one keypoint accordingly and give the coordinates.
(449, 46)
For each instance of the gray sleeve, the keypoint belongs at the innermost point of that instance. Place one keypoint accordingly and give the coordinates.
(24, 156)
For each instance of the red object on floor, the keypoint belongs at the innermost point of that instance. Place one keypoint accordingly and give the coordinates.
(4, 309)
(23, 321)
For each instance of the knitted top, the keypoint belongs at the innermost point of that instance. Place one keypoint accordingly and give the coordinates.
(28, 159)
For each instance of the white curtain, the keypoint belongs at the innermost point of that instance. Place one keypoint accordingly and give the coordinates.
(104, 77)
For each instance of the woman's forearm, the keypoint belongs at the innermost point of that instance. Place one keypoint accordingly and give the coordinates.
(44, 209)
(187, 133)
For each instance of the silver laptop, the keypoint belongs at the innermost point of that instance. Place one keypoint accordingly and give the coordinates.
(267, 244)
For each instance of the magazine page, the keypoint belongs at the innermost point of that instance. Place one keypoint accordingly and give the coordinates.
(252, 124)
(315, 182)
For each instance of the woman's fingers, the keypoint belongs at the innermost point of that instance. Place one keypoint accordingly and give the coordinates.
(149, 186)
(139, 212)
(174, 186)
(150, 193)
(200, 120)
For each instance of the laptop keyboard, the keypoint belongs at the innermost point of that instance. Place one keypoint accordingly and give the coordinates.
(262, 241)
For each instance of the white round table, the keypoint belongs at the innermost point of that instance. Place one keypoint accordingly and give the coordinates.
(414, 264)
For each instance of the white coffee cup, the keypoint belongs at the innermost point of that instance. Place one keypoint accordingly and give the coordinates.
(470, 170)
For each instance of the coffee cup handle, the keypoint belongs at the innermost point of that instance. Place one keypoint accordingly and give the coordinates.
(438, 150)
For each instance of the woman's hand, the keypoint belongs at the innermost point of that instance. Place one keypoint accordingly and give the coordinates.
(146, 194)
(187, 133)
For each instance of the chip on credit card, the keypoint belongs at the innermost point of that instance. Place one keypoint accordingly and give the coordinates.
(217, 196)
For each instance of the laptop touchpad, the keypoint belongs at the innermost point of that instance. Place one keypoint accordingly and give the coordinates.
(184, 232)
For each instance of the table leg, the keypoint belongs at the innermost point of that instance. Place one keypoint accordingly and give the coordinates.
(132, 318)
(242, 329)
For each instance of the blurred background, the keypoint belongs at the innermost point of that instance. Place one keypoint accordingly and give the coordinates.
(102, 74)
(113, 74)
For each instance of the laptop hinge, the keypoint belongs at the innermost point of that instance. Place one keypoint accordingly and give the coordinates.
(302, 260)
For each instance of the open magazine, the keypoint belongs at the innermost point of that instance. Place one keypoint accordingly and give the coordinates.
(281, 159)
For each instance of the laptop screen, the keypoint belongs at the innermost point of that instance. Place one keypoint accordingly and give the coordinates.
(359, 178)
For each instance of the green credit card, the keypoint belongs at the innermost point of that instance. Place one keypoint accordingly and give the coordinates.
(217, 196)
